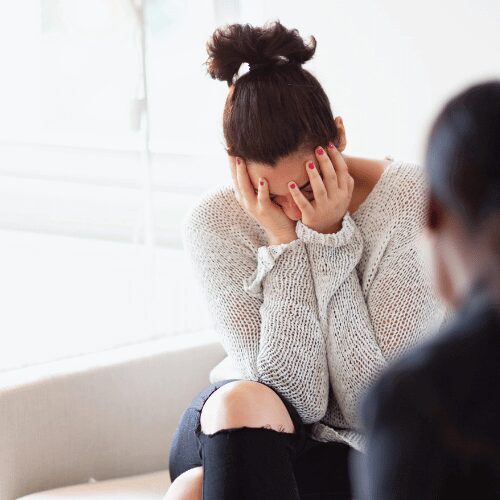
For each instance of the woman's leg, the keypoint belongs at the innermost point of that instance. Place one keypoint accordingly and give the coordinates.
(244, 461)
(245, 403)
(187, 486)
(248, 442)
(319, 469)
(185, 453)
(322, 471)
(231, 404)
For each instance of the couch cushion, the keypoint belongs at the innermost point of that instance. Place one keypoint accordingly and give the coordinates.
(145, 487)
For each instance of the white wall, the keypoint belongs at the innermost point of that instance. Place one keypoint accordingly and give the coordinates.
(388, 65)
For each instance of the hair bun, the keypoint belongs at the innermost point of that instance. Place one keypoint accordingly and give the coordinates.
(234, 44)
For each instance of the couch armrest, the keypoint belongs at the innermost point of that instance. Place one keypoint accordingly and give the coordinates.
(102, 415)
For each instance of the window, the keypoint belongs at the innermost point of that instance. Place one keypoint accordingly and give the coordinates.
(72, 105)
(94, 182)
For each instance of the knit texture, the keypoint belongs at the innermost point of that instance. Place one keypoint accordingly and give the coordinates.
(320, 317)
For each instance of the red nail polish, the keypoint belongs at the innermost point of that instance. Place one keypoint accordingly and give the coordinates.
(319, 151)
(261, 183)
(238, 161)
(292, 185)
(330, 145)
(310, 165)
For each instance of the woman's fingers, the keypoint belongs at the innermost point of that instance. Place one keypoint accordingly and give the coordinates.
(258, 205)
(327, 169)
(263, 193)
(298, 197)
(332, 187)
(244, 182)
(320, 191)
(340, 166)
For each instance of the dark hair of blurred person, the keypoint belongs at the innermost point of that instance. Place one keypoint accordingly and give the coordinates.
(463, 169)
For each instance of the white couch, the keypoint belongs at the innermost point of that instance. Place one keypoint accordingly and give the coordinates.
(99, 426)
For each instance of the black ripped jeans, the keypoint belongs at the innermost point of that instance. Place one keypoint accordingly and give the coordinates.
(259, 464)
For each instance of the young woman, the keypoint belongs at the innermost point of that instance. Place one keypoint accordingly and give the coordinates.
(311, 269)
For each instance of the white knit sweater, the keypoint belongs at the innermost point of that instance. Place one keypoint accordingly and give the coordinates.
(319, 318)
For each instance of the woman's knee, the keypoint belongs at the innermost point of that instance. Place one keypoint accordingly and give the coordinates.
(245, 403)
(187, 486)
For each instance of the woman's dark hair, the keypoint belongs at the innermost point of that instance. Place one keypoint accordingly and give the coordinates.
(463, 154)
(276, 108)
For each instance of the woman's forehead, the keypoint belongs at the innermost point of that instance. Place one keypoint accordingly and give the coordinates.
(278, 177)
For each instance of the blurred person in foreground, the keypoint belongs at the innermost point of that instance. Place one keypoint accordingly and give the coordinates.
(433, 419)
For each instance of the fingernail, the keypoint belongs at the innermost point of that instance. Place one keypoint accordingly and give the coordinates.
(331, 145)
(319, 151)
(261, 183)
(238, 161)
(292, 185)
(310, 165)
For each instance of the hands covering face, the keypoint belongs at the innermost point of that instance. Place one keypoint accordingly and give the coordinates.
(259, 206)
(332, 195)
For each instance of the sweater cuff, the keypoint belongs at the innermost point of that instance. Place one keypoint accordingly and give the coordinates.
(266, 259)
(338, 239)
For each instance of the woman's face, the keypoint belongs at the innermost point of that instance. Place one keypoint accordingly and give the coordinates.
(291, 167)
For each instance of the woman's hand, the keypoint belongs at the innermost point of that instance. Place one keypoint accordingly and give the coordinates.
(278, 227)
(332, 194)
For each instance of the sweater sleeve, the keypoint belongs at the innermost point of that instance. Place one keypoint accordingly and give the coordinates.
(265, 312)
(366, 329)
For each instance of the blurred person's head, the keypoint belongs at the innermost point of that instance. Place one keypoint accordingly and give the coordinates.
(276, 113)
(463, 170)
